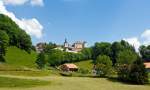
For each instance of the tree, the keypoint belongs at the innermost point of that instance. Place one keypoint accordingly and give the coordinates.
(24, 41)
(55, 57)
(4, 40)
(145, 52)
(118, 47)
(41, 61)
(126, 57)
(17, 37)
(103, 48)
(49, 47)
(137, 73)
(103, 65)
(87, 52)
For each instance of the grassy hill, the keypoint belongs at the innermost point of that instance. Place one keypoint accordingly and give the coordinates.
(85, 64)
(17, 57)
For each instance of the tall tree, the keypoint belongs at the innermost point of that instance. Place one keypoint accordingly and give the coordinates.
(41, 61)
(102, 48)
(4, 41)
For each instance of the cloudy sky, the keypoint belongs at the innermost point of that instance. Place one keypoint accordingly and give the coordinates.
(86, 20)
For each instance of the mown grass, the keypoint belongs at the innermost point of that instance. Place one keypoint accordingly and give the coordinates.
(15, 82)
(26, 73)
(80, 83)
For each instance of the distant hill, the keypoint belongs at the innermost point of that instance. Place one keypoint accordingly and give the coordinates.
(20, 58)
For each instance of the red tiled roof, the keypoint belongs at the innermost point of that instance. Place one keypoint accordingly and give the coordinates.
(147, 65)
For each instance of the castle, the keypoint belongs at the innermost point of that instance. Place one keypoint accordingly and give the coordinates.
(75, 47)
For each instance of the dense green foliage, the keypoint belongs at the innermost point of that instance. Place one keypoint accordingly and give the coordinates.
(87, 53)
(111, 50)
(137, 72)
(126, 57)
(134, 72)
(48, 47)
(103, 65)
(145, 52)
(41, 60)
(4, 40)
(17, 37)
(58, 57)
(102, 48)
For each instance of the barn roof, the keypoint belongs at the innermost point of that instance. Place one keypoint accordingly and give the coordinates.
(147, 64)
(71, 65)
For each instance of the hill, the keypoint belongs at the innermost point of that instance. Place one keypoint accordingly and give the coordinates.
(20, 58)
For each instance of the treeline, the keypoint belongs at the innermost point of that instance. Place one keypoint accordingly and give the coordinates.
(12, 35)
(121, 58)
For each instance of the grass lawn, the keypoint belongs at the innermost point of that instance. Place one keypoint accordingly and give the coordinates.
(26, 73)
(85, 64)
(80, 83)
(15, 82)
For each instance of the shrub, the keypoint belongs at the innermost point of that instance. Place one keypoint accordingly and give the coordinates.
(137, 73)
(103, 65)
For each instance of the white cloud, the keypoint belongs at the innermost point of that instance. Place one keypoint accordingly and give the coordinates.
(37, 2)
(15, 2)
(134, 41)
(31, 26)
(146, 37)
(21, 2)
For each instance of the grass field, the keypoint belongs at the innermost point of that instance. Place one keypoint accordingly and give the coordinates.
(17, 57)
(80, 83)
(85, 64)
(15, 82)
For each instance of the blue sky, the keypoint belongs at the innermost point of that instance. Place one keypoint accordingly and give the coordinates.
(88, 20)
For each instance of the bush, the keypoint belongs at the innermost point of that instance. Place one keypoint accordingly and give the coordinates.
(103, 65)
(137, 73)
(133, 73)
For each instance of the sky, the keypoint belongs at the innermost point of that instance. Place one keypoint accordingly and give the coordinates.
(82, 20)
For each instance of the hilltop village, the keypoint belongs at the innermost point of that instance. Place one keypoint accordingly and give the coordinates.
(67, 47)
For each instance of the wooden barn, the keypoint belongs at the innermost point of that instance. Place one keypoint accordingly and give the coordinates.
(69, 67)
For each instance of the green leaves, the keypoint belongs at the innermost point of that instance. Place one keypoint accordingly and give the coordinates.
(17, 37)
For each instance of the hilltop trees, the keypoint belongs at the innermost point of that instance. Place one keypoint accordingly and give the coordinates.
(17, 37)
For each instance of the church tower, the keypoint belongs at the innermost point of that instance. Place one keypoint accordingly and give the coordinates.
(66, 45)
